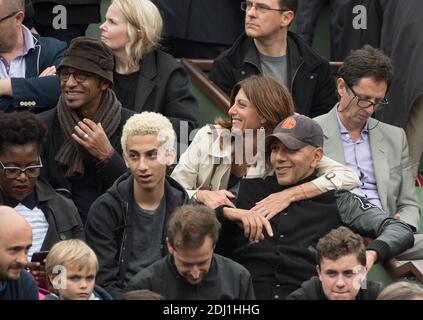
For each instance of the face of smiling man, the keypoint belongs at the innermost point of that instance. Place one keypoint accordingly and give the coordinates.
(292, 166)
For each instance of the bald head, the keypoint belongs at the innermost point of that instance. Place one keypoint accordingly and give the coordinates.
(11, 221)
(15, 241)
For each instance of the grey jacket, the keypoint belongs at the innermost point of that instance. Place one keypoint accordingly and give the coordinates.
(389, 148)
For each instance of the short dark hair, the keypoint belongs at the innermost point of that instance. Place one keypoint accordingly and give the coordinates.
(21, 128)
(289, 4)
(367, 62)
(192, 224)
(339, 243)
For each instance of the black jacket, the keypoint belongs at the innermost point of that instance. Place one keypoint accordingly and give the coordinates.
(61, 214)
(312, 290)
(226, 280)
(279, 264)
(108, 229)
(311, 82)
(55, 174)
(164, 87)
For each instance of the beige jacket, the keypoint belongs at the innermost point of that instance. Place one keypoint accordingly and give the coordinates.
(206, 164)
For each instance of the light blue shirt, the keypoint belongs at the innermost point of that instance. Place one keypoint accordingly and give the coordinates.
(358, 157)
(17, 67)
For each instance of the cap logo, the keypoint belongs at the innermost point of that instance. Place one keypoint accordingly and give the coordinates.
(289, 123)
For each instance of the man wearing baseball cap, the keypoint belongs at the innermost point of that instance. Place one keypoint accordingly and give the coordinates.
(283, 254)
(82, 152)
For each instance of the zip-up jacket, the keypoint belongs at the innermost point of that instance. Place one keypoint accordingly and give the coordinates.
(225, 280)
(61, 214)
(109, 233)
(310, 79)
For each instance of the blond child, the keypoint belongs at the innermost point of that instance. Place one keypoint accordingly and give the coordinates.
(71, 268)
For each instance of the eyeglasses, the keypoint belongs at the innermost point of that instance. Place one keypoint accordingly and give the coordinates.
(78, 76)
(260, 7)
(14, 172)
(9, 16)
(365, 103)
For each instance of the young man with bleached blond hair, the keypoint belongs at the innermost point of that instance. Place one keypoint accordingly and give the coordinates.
(126, 225)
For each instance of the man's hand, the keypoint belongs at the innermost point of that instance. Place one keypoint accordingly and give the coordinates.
(93, 138)
(50, 71)
(371, 258)
(273, 204)
(214, 199)
(250, 221)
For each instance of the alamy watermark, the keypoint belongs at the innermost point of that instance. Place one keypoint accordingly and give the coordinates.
(60, 21)
(360, 20)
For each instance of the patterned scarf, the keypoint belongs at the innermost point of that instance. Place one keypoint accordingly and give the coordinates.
(71, 155)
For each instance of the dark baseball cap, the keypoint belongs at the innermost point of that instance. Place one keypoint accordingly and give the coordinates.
(297, 131)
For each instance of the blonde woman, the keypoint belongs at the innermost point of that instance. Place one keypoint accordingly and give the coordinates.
(146, 78)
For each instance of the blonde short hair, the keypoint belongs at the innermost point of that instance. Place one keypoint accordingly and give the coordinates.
(145, 123)
(145, 26)
(71, 252)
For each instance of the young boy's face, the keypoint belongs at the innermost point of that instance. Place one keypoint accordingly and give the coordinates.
(79, 283)
(147, 162)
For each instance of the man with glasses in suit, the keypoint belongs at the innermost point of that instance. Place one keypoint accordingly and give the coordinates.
(376, 151)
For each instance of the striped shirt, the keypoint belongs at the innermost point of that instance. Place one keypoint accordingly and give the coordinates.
(38, 222)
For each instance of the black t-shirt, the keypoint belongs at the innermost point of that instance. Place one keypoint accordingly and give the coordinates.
(23, 289)
(125, 88)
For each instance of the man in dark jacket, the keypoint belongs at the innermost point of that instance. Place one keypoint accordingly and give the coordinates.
(82, 152)
(28, 63)
(15, 240)
(192, 271)
(267, 47)
(283, 256)
(126, 225)
(52, 216)
(341, 266)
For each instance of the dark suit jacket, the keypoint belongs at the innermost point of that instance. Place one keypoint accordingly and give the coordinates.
(163, 86)
(32, 91)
